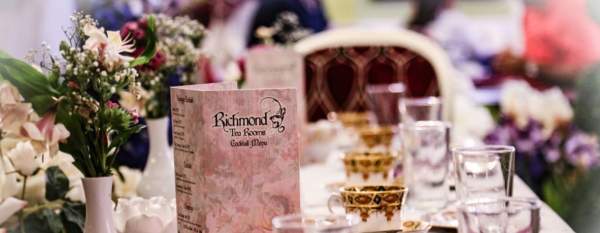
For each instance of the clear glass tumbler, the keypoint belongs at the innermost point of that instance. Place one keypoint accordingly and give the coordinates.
(426, 164)
(383, 101)
(420, 109)
(303, 223)
(499, 215)
(485, 171)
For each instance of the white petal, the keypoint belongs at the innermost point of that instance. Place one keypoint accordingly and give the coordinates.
(35, 191)
(24, 158)
(76, 193)
(9, 207)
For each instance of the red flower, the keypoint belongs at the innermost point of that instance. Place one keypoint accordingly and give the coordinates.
(157, 61)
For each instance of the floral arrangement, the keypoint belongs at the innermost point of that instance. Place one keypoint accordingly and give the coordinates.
(79, 89)
(38, 182)
(552, 154)
(175, 62)
(59, 122)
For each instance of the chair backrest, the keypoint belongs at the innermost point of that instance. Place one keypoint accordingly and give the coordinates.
(339, 64)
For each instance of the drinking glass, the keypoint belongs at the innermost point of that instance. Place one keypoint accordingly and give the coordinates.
(302, 223)
(420, 109)
(383, 101)
(485, 171)
(499, 215)
(426, 164)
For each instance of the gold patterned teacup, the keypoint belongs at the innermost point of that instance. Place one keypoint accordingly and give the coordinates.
(351, 119)
(378, 206)
(372, 136)
(368, 167)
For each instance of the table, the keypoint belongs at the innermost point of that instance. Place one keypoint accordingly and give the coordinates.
(314, 195)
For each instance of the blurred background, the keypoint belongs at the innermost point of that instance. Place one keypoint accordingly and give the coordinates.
(533, 64)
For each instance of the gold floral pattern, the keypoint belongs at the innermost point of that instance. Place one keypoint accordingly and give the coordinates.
(351, 119)
(366, 163)
(373, 136)
(367, 200)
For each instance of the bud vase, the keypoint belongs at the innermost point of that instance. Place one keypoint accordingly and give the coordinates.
(98, 207)
(158, 178)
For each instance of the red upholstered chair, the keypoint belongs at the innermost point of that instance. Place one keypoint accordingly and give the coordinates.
(339, 64)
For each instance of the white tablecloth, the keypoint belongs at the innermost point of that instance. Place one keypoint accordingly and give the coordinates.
(314, 195)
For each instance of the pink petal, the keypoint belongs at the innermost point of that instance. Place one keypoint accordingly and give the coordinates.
(59, 133)
(46, 125)
(30, 130)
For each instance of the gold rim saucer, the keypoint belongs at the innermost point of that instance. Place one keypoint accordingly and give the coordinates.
(409, 226)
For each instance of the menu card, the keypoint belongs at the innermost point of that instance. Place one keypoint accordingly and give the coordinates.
(276, 67)
(236, 157)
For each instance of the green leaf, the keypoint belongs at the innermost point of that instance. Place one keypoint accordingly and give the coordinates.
(57, 185)
(76, 144)
(43, 221)
(32, 84)
(150, 47)
(73, 217)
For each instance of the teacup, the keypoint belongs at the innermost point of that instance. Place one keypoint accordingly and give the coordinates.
(372, 136)
(379, 207)
(351, 119)
(368, 167)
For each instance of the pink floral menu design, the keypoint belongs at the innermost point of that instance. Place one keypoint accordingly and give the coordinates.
(236, 157)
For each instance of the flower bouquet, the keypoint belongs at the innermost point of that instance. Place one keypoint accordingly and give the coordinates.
(78, 90)
(552, 154)
(175, 63)
(40, 189)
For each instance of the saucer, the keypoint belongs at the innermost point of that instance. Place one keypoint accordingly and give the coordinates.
(410, 226)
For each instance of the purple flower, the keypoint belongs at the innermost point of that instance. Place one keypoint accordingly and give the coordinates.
(551, 150)
(581, 150)
(529, 139)
(499, 136)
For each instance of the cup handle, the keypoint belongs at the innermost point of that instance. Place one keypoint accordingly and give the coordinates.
(334, 200)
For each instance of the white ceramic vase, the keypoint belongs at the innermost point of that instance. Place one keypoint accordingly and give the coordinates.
(158, 178)
(98, 207)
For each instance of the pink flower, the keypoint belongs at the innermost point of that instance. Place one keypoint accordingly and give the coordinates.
(45, 130)
(112, 105)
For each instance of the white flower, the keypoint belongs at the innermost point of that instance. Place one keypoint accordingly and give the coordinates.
(557, 110)
(8, 181)
(64, 162)
(514, 101)
(9, 95)
(8, 188)
(134, 103)
(13, 112)
(35, 189)
(128, 186)
(110, 44)
(521, 102)
(24, 158)
(10, 206)
(154, 215)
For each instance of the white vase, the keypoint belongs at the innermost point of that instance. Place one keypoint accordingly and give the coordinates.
(98, 207)
(158, 178)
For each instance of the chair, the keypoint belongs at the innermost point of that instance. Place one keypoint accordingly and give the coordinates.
(339, 64)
